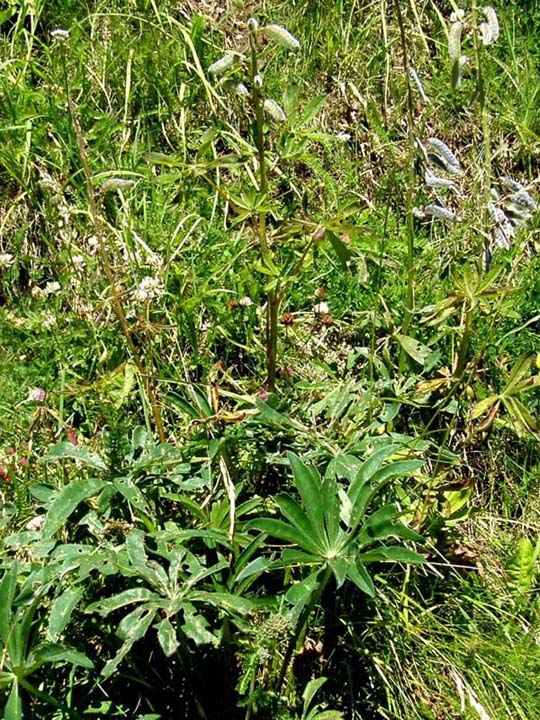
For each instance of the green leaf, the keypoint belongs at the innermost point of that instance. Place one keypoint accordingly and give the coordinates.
(300, 593)
(286, 532)
(133, 628)
(226, 601)
(311, 109)
(195, 627)
(167, 637)
(391, 553)
(67, 500)
(59, 654)
(299, 519)
(127, 597)
(361, 578)
(311, 689)
(61, 611)
(308, 482)
(8, 587)
(343, 252)
(66, 450)
(415, 349)
(13, 709)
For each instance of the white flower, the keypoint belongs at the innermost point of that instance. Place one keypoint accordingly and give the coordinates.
(49, 319)
(149, 288)
(245, 302)
(321, 308)
(78, 260)
(52, 288)
(36, 523)
(36, 395)
(59, 34)
(6, 260)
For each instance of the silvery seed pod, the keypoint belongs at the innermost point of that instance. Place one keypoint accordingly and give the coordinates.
(454, 40)
(280, 35)
(274, 111)
(485, 34)
(258, 82)
(111, 184)
(440, 212)
(433, 181)
(445, 156)
(457, 71)
(511, 184)
(459, 15)
(492, 21)
(523, 200)
(235, 87)
(222, 65)
(416, 80)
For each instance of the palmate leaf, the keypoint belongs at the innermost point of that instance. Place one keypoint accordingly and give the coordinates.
(61, 611)
(8, 587)
(67, 501)
(13, 709)
(357, 573)
(391, 553)
(299, 519)
(384, 523)
(127, 597)
(288, 533)
(369, 468)
(308, 483)
(167, 637)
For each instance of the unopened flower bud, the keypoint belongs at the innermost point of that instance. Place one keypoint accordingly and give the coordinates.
(252, 25)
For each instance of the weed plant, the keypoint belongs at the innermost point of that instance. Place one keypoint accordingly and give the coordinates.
(270, 360)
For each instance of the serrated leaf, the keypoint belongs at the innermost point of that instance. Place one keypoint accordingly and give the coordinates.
(61, 611)
(67, 501)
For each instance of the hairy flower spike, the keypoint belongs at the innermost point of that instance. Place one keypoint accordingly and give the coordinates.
(222, 65)
(492, 22)
(280, 35)
(274, 111)
(454, 40)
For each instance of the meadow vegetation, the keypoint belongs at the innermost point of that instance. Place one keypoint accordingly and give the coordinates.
(269, 324)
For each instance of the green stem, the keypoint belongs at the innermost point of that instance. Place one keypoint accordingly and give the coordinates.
(108, 266)
(273, 299)
(411, 178)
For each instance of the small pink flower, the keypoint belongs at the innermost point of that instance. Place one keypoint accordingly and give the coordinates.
(4, 473)
(262, 393)
(24, 461)
(37, 395)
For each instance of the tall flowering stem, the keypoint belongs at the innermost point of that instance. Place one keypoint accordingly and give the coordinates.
(409, 200)
(273, 297)
(108, 266)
